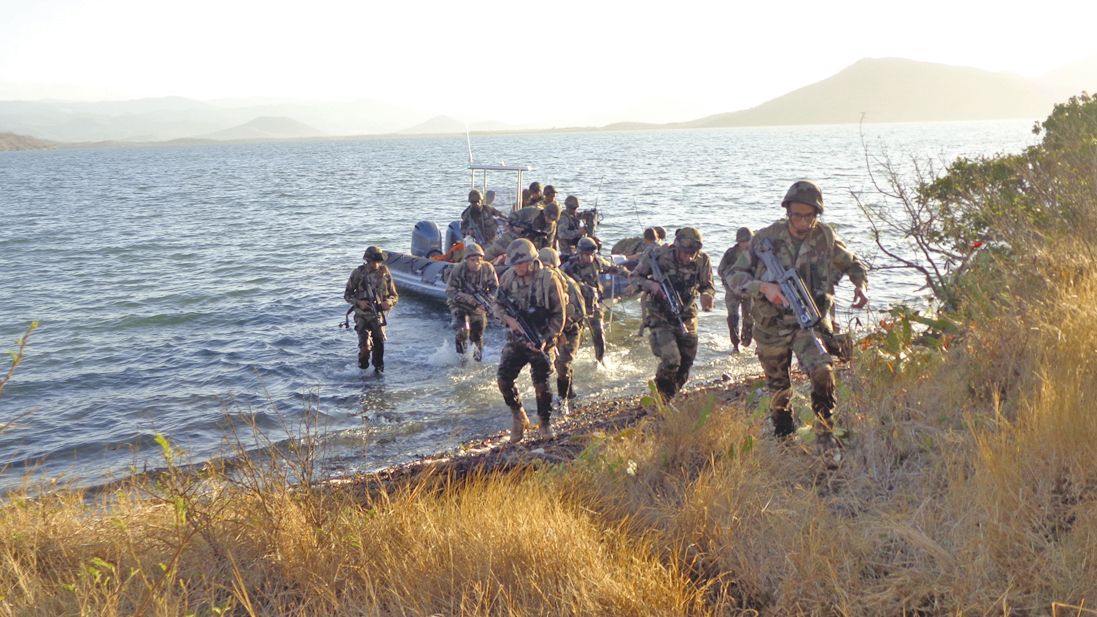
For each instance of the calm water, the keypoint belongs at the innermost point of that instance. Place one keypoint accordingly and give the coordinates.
(181, 289)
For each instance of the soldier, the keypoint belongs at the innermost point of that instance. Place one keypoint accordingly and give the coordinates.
(478, 220)
(568, 343)
(733, 300)
(587, 268)
(472, 285)
(534, 194)
(634, 248)
(372, 293)
(688, 271)
(537, 223)
(818, 255)
(528, 292)
(570, 227)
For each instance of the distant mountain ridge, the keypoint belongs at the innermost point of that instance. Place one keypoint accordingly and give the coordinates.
(266, 127)
(899, 90)
(882, 89)
(11, 141)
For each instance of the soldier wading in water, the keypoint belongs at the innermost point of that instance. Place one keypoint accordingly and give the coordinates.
(529, 293)
(372, 293)
(819, 256)
(467, 280)
(575, 318)
(687, 272)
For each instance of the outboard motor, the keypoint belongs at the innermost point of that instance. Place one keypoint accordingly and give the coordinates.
(426, 240)
(453, 234)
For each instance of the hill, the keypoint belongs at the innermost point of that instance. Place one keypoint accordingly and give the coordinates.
(266, 127)
(11, 141)
(898, 90)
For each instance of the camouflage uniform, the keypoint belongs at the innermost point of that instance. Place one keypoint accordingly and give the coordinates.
(818, 258)
(627, 246)
(570, 338)
(478, 221)
(735, 302)
(367, 322)
(569, 229)
(469, 318)
(589, 277)
(675, 347)
(533, 225)
(539, 295)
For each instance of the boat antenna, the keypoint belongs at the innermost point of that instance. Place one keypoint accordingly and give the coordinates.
(598, 193)
(468, 140)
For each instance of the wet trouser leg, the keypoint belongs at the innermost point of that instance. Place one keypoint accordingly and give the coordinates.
(460, 325)
(371, 342)
(477, 322)
(775, 350)
(566, 346)
(676, 352)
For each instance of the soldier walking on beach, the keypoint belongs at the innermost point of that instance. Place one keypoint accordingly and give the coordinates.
(472, 284)
(478, 220)
(734, 301)
(687, 274)
(575, 319)
(587, 267)
(819, 256)
(372, 293)
(529, 293)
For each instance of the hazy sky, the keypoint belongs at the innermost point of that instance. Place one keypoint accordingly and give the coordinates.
(523, 62)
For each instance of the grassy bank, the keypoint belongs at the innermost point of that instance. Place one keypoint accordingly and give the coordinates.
(968, 484)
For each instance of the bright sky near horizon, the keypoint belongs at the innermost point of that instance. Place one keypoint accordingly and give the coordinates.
(557, 63)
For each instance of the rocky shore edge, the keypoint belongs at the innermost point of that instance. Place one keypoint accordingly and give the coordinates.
(494, 453)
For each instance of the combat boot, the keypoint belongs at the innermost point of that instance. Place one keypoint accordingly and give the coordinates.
(783, 426)
(544, 430)
(518, 425)
(478, 351)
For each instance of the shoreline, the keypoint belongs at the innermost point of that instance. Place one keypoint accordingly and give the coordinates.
(495, 453)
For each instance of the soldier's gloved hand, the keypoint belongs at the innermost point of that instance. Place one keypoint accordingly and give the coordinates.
(385, 305)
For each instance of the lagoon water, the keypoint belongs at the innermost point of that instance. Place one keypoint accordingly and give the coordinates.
(184, 289)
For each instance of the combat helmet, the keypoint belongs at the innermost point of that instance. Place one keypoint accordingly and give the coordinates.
(805, 192)
(743, 234)
(688, 238)
(550, 256)
(572, 202)
(475, 197)
(373, 253)
(586, 245)
(472, 248)
(520, 251)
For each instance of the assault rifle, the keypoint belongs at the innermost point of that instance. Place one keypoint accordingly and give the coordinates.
(370, 296)
(527, 228)
(670, 294)
(792, 288)
(528, 332)
(482, 301)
